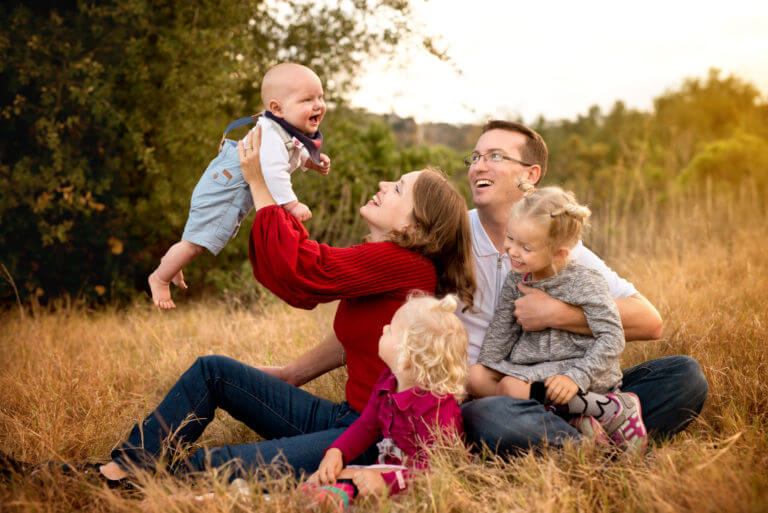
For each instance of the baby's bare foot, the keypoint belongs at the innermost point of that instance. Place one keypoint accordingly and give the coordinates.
(178, 280)
(161, 292)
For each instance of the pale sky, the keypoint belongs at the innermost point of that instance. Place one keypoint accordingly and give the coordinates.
(558, 58)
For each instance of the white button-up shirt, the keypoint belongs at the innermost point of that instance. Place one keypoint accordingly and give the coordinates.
(277, 163)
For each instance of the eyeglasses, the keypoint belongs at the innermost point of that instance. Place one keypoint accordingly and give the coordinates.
(492, 156)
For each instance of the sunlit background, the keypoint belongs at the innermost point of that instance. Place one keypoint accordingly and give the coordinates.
(109, 114)
(525, 59)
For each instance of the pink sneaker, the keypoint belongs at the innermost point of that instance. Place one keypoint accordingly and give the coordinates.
(626, 428)
(591, 429)
(336, 496)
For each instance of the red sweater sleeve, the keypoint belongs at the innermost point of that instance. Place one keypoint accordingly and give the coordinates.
(304, 273)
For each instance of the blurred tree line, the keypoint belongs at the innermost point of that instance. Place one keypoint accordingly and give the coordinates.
(707, 138)
(110, 112)
(712, 129)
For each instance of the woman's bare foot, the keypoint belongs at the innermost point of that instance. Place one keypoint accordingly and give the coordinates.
(112, 471)
(161, 291)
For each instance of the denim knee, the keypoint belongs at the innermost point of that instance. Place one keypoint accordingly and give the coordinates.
(694, 382)
(212, 365)
(672, 391)
(697, 382)
(507, 425)
(685, 381)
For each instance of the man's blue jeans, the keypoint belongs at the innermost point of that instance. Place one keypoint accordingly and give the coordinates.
(672, 391)
(298, 426)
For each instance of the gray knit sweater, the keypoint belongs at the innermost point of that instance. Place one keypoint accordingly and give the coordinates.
(592, 362)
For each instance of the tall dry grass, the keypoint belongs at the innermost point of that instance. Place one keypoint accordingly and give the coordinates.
(74, 381)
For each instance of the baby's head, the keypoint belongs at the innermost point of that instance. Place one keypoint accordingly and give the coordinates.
(294, 93)
(543, 228)
(428, 341)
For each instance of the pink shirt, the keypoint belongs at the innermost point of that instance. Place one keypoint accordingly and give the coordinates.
(409, 418)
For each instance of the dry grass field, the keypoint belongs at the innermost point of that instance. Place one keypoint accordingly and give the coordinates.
(73, 381)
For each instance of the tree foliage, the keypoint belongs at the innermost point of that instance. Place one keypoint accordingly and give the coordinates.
(714, 128)
(110, 111)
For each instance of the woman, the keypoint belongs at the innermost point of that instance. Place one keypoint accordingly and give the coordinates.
(419, 240)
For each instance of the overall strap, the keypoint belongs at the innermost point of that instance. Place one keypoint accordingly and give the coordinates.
(285, 136)
(237, 124)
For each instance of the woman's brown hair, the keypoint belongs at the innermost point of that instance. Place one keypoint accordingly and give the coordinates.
(440, 232)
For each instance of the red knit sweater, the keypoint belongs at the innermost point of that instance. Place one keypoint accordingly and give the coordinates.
(372, 280)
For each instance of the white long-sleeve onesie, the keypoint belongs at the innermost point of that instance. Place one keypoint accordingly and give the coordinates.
(280, 155)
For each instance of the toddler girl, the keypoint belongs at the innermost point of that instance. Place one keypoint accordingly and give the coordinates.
(412, 406)
(579, 374)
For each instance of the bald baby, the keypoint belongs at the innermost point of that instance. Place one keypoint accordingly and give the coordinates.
(287, 91)
(282, 77)
(290, 138)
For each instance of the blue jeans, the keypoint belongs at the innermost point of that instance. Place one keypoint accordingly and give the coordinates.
(672, 391)
(298, 426)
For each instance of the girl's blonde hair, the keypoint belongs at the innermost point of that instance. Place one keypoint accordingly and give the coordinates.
(556, 210)
(434, 344)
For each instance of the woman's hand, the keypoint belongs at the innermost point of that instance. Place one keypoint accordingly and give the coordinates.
(329, 468)
(322, 358)
(248, 149)
(280, 373)
(560, 389)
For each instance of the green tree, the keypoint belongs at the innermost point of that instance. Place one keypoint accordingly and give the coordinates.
(729, 162)
(110, 111)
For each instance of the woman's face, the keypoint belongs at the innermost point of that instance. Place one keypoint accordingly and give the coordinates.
(391, 208)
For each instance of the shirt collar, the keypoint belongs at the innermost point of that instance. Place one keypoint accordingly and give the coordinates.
(311, 142)
(482, 243)
(403, 400)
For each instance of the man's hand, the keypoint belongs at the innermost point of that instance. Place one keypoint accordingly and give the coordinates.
(537, 310)
(560, 389)
(324, 167)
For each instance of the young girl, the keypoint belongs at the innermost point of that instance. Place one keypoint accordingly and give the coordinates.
(413, 404)
(580, 374)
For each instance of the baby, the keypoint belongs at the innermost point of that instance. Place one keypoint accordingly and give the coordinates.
(293, 97)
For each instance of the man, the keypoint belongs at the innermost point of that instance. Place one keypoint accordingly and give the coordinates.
(672, 390)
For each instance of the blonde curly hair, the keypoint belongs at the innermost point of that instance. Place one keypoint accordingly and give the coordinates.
(434, 344)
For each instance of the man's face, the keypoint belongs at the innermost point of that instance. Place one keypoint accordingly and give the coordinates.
(495, 183)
